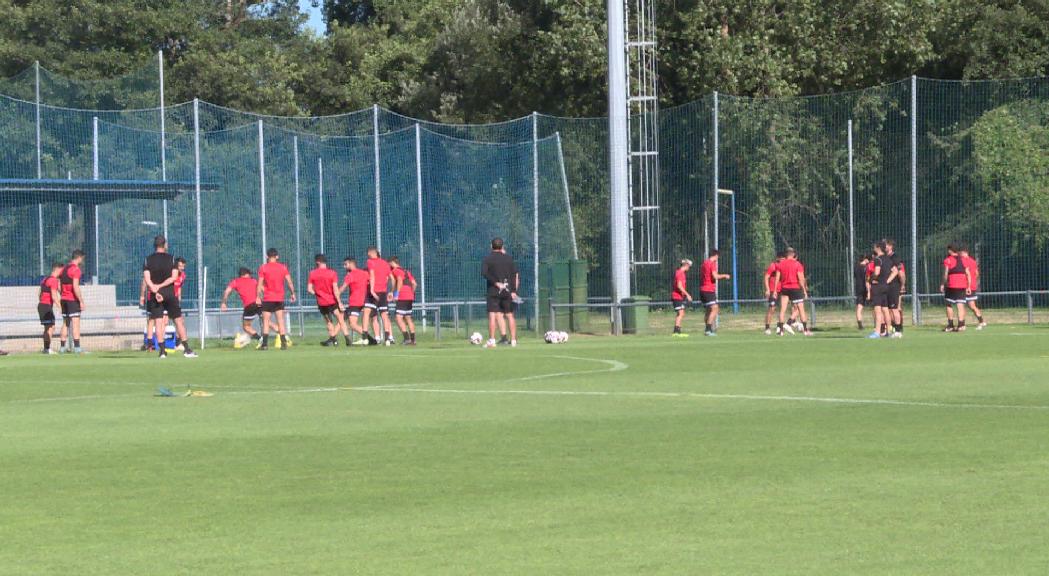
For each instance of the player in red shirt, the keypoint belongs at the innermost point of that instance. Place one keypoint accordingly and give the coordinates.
(956, 287)
(355, 281)
(771, 285)
(708, 291)
(247, 288)
(404, 286)
(181, 263)
(377, 302)
(679, 295)
(72, 302)
(324, 285)
(270, 297)
(974, 271)
(794, 289)
(49, 296)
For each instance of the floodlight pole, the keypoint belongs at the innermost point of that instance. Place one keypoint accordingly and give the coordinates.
(717, 144)
(298, 231)
(200, 236)
(419, 214)
(163, 137)
(619, 169)
(378, 178)
(916, 309)
(39, 170)
(94, 176)
(320, 197)
(262, 188)
(735, 259)
(852, 222)
(535, 219)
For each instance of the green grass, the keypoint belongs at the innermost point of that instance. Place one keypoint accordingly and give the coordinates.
(735, 455)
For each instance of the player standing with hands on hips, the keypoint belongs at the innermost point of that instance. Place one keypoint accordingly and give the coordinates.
(500, 271)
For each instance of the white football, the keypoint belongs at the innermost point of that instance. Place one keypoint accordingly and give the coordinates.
(550, 337)
(476, 339)
(563, 336)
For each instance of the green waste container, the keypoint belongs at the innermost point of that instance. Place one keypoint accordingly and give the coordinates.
(635, 318)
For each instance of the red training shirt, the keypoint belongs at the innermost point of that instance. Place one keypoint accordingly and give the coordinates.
(770, 273)
(790, 274)
(46, 286)
(179, 281)
(707, 271)
(955, 266)
(680, 278)
(357, 282)
(974, 269)
(247, 288)
(381, 268)
(322, 280)
(407, 293)
(272, 275)
(70, 273)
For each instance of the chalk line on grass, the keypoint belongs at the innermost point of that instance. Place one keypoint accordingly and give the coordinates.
(613, 366)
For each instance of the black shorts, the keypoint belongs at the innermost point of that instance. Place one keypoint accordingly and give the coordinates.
(251, 312)
(861, 297)
(170, 305)
(879, 295)
(708, 298)
(380, 302)
(46, 313)
(795, 295)
(352, 311)
(70, 308)
(680, 305)
(773, 300)
(972, 297)
(272, 307)
(893, 291)
(327, 310)
(404, 307)
(501, 303)
(955, 295)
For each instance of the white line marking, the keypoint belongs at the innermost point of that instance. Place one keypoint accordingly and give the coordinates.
(614, 366)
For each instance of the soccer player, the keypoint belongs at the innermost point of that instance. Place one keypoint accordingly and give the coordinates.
(794, 289)
(679, 295)
(884, 275)
(49, 296)
(145, 301)
(180, 263)
(356, 282)
(270, 297)
(956, 288)
(247, 288)
(772, 288)
(860, 287)
(503, 278)
(974, 271)
(72, 302)
(324, 284)
(160, 273)
(896, 288)
(708, 291)
(404, 286)
(377, 301)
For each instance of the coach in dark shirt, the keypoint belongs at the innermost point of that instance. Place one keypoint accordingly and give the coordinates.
(503, 278)
(160, 272)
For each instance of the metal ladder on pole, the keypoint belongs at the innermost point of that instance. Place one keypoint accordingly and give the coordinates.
(643, 108)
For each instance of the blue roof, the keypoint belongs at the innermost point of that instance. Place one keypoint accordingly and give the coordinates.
(24, 191)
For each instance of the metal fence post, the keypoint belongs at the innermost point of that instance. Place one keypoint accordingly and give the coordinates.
(94, 176)
(200, 236)
(812, 313)
(852, 212)
(378, 178)
(916, 310)
(1030, 308)
(163, 139)
(39, 171)
(553, 315)
(262, 188)
(717, 176)
(320, 198)
(419, 215)
(298, 232)
(535, 216)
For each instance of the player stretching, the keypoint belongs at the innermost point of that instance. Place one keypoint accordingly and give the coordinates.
(356, 282)
(324, 284)
(860, 288)
(708, 292)
(377, 302)
(500, 271)
(247, 288)
(679, 295)
(772, 288)
(49, 296)
(161, 273)
(974, 270)
(72, 303)
(404, 286)
(956, 288)
(790, 275)
(270, 298)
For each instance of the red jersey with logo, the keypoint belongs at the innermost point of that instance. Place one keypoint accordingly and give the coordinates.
(773, 283)
(956, 278)
(407, 293)
(974, 269)
(381, 268)
(69, 273)
(870, 269)
(323, 279)
(790, 274)
(357, 282)
(179, 281)
(49, 283)
(680, 279)
(245, 287)
(272, 275)
(707, 271)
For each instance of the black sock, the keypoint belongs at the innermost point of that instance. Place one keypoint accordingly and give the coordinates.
(677, 329)
(708, 327)
(186, 348)
(979, 319)
(899, 327)
(805, 326)
(283, 341)
(859, 325)
(779, 326)
(47, 341)
(265, 339)
(950, 323)
(76, 342)
(256, 336)
(411, 336)
(961, 323)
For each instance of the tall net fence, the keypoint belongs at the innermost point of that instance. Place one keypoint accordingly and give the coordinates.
(924, 162)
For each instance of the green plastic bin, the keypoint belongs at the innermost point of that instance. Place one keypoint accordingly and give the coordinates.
(635, 318)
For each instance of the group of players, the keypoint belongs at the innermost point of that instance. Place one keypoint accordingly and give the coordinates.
(370, 291)
(880, 281)
(786, 289)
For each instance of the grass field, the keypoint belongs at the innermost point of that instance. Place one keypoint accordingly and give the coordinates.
(738, 455)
